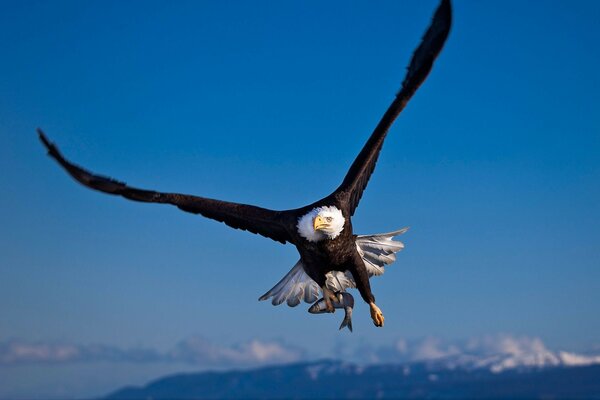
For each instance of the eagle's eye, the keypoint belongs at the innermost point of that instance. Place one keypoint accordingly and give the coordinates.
(329, 219)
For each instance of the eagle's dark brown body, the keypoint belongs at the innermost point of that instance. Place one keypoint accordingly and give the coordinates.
(339, 254)
(319, 257)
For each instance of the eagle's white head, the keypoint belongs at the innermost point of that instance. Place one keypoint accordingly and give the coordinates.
(321, 223)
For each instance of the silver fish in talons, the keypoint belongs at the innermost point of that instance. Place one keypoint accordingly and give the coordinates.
(344, 300)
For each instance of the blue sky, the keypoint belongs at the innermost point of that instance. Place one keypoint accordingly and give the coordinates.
(495, 165)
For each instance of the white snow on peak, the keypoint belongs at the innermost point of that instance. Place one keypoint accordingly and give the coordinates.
(496, 353)
(318, 370)
(508, 352)
(577, 360)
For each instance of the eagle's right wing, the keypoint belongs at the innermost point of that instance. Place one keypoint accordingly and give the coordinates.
(258, 220)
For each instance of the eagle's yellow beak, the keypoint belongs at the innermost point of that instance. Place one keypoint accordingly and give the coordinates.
(319, 223)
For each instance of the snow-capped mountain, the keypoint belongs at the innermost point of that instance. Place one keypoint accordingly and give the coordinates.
(495, 353)
(331, 379)
(536, 357)
(488, 367)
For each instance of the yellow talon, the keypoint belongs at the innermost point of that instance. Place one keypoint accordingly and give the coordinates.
(376, 315)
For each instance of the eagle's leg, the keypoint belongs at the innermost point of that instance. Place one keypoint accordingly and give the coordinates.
(329, 298)
(361, 277)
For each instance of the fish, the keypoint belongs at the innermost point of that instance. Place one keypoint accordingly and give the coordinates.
(344, 300)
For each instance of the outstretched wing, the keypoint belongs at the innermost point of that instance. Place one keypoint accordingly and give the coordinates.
(422, 60)
(258, 220)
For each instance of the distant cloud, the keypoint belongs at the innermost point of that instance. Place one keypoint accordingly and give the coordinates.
(494, 352)
(194, 350)
(432, 348)
(505, 344)
(404, 350)
(197, 350)
(19, 352)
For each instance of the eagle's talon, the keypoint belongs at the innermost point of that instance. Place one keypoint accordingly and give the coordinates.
(329, 307)
(376, 315)
(329, 298)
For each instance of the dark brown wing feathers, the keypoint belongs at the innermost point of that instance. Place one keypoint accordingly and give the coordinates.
(258, 220)
(358, 175)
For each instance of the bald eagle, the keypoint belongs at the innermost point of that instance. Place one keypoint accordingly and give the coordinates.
(332, 257)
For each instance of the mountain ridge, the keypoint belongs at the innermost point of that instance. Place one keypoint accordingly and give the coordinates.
(339, 379)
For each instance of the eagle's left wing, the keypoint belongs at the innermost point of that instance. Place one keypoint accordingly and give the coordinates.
(268, 223)
(355, 181)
